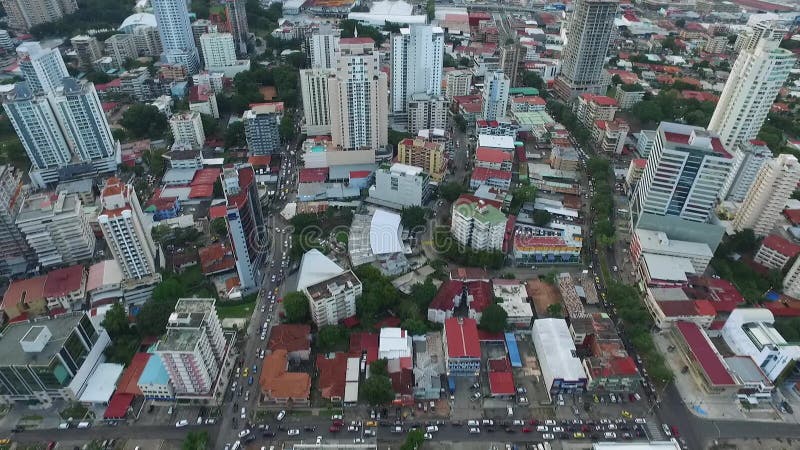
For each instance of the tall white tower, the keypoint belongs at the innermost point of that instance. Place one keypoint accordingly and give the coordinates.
(495, 95)
(767, 197)
(175, 30)
(417, 58)
(755, 79)
(43, 69)
(323, 45)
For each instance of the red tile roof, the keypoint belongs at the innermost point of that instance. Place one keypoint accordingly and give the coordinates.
(481, 293)
(24, 290)
(201, 191)
(207, 176)
(705, 355)
(332, 375)
(640, 163)
(356, 40)
(259, 160)
(469, 273)
(61, 282)
(448, 291)
(361, 342)
(358, 174)
(130, 377)
(118, 406)
(484, 173)
(462, 338)
(501, 383)
(781, 245)
(601, 100)
(488, 336)
(492, 155)
(499, 365)
(216, 258)
(319, 175)
(687, 308)
(290, 337)
(217, 211)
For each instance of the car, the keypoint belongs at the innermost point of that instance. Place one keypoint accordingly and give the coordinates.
(548, 436)
(675, 432)
(427, 436)
(371, 423)
(358, 441)
(578, 435)
(626, 414)
(558, 429)
(610, 435)
(244, 432)
(474, 430)
(334, 429)
(666, 429)
(542, 429)
(281, 415)
(245, 372)
(397, 429)
(181, 423)
(432, 429)
(476, 386)
(352, 429)
(640, 420)
(243, 415)
(476, 395)
(293, 432)
(488, 422)
(473, 423)
(309, 428)
(336, 417)
(786, 407)
(369, 433)
(550, 422)
(612, 426)
(250, 380)
(63, 425)
(519, 422)
(526, 429)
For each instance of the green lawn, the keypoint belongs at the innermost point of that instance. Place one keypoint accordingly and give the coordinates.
(235, 310)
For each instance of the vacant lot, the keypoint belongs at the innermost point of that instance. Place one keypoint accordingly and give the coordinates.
(543, 295)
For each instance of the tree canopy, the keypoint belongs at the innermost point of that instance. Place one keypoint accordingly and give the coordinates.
(295, 306)
(195, 440)
(541, 217)
(494, 319)
(143, 120)
(377, 390)
(331, 337)
(413, 217)
(124, 337)
(451, 191)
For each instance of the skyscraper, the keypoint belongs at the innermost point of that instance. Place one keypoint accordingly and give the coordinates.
(15, 255)
(187, 129)
(24, 14)
(684, 174)
(87, 49)
(246, 226)
(175, 30)
(357, 97)
(323, 43)
(510, 56)
(314, 89)
(755, 79)
(748, 158)
(767, 197)
(43, 69)
(583, 56)
(127, 231)
(417, 58)
(261, 124)
(236, 15)
(218, 49)
(495, 95)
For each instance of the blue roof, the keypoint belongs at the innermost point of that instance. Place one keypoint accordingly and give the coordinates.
(154, 372)
(513, 350)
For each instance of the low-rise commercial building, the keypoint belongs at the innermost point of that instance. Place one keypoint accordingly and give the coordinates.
(704, 363)
(645, 242)
(462, 347)
(514, 301)
(775, 252)
(751, 332)
(497, 178)
(399, 185)
(540, 245)
(561, 368)
(278, 385)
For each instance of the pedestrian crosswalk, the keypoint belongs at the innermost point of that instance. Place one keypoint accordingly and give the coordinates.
(654, 431)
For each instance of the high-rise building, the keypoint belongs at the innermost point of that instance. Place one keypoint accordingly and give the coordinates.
(25, 14)
(755, 79)
(43, 69)
(56, 228)
(236, 16)
(357, 97)
(261, 128)
(767, 197)
(15, 254)
(127, 231)
(218, 49)
(423, 153)
(495, 95)
(87, 50)
(246, 226)
(199, 28)
(748, 157)
(588, 36)
(121, 47)
(684, 174)
(187, 129)
(510, 56)
(331, 291)
(477, 223)
(314, 89)
(148, 40)
(459, 83)
(193, 349)
(175, 30)
(323, 43)
(417, 58)
(426, 112)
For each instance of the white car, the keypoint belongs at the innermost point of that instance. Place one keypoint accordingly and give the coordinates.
(519, 422)
(293, 432)
(558, 429)
(336, 417)
(244, 414)
(319, 440)
(428, 436)
(640, 420)
(244, 432)
(181, 423)
(280, 415)
(358, 441)
(432, 429)
(548, 437)
(610, 435)
(474, 430)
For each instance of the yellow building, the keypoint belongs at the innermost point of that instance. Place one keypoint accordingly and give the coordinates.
(425, 154)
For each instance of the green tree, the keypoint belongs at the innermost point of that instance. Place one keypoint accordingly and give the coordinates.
(330, 337)
(423, 293)
(414, 327)
(234, 135)
(295, 306)
(219, 227)
(554, 310)
(494, 319)
(286, 128)
(534, 80)
(413, 217)
(379, 367)
(414, 440)
(377, 390)
(451, 191)
(465, 62)
(449, 61)
(195, 440)
(460, 122)
(430, 10)
(143, 120)
(541, 217)
(396, 136)
(116, 322)
(210, 125)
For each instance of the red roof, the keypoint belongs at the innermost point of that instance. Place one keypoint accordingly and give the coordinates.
(290, 337)
(501, 383)
(332, 375)
(246, 178)
(118, 406)
(705, 355)
(793, 215)
(484, 173)
(640, 163)
(601, 100)
(469, 273)
(201, 191)
(216, 258)
(680, 138)
(215, 212)
(364, 342)
(781, 245)
(481, 293)
(499, 365)
(762, 5)
(259, 160)
(115, 83)
(205, 176)
(462, 338)
(488, 336)
(357, 174)
(492, 155)
(529, 100)
(356, 40)
(448, 291)
(24, 290)
(319, 175)
(61, 282)
(130, 377)
(686, 308)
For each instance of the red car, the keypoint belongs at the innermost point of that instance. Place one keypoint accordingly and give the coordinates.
(338, 423)
(675, 431)
(526, 430)
(533, 422)
(334, 429)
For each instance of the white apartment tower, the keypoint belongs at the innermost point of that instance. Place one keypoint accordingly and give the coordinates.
(56, 228)
(24, 14)
(333, 299)
(43, 69)
(175, 30)
(246, 226)
(218, 49)
(314, 90)
(767, 197)
(87, 49)
(684, 174)
(357, 97)
(478, 224)
(417, 58)
(426, 112)
(495, 95)
(323, 45)
(121, 47)
(588, 36)
(459, 82)
(193, 347)
(187, 129)
(126, 230)
(755, 79)
(748, 158)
